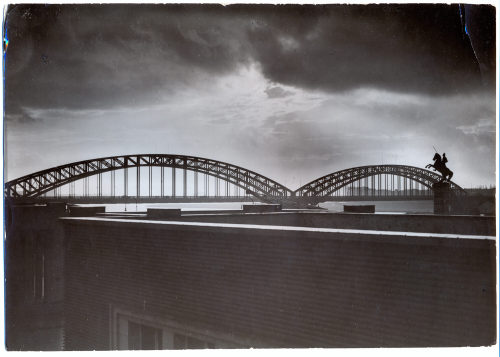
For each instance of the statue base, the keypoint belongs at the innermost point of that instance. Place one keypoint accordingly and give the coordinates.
(443, 197)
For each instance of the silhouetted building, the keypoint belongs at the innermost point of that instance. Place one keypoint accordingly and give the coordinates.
(235, 279)
(34, 276)
(156, 284)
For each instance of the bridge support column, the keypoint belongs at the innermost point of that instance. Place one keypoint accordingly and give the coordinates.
(173, 181)
(138, 182)
(195, 183)
(162, 179)
(184, 182)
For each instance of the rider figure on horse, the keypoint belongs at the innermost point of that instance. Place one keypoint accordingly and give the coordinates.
(440, 165)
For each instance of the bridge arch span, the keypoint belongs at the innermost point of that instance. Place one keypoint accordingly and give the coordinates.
(328, 184)
(38, 183)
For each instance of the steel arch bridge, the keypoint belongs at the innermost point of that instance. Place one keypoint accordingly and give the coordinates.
(35, 185)
(328, 184)
(38, 183)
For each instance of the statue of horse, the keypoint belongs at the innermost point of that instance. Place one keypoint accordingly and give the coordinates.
(440, 166)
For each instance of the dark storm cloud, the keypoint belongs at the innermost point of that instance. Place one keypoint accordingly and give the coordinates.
(100, 56)
(415, 48)
(82, 55)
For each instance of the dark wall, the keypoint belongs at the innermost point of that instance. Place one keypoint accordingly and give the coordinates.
(34, 276)
(275, 288)
(473, 225)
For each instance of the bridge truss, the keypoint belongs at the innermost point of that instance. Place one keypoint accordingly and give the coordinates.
(358, 183)
(39, 183)
(373, 181)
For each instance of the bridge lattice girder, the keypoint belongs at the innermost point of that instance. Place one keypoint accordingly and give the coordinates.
(38, 183)
(330, 183)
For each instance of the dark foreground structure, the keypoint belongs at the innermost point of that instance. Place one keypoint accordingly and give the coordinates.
(250, 279)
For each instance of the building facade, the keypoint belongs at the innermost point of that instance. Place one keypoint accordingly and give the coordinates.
(138, 284)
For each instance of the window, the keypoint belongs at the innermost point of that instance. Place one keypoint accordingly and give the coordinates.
(182, 342)
(140, 332)
(134, 334)
(143, 337)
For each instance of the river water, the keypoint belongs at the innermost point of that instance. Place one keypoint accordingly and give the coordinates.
(382, 207)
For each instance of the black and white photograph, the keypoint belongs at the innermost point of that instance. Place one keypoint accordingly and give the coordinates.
(249, 176)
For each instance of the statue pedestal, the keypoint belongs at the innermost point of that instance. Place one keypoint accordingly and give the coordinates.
(442, 198)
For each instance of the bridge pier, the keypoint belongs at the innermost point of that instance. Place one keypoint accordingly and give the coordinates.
(443, 197)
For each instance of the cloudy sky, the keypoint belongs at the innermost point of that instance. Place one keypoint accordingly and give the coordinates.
(292, 92)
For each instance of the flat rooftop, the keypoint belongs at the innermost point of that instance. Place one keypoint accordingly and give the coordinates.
(207, 226)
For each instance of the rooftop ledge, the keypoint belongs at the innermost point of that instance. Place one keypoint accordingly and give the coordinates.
(275, 228)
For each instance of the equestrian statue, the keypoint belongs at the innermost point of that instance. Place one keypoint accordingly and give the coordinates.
(440, 166)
